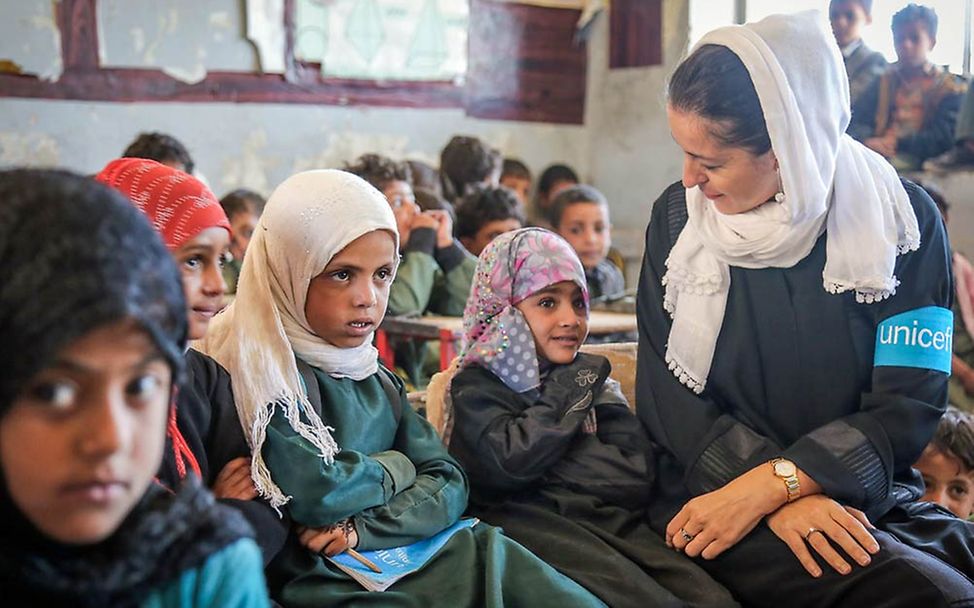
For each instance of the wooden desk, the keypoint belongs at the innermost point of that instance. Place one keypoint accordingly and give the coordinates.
(449, 330)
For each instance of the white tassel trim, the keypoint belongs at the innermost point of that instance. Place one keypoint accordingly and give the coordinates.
(683, 375)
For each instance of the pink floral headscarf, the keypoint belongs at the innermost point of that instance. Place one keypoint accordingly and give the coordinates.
(511, 268)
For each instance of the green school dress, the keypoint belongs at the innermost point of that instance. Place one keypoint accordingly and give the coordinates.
(397, 481)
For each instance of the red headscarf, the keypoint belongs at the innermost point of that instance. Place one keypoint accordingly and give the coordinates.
(179, 205)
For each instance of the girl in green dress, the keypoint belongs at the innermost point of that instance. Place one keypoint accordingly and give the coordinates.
(365, 471)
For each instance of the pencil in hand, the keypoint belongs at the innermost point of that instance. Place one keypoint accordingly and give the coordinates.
(363, 560)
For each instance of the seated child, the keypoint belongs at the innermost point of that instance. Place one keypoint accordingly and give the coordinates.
(243, 208)
(465, 163)
(554, 454)
(424, 176)
(580, 215)
(862, 64)
(947, 464)
(337, 445)
(204, 435)
(908, 114)
(485, 214)
(516, 176)
(161, 148)
(93, 329)
(553, 180)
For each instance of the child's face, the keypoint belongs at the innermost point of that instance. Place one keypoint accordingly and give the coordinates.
(913, 42)
(520, 185)
(848, 18)
(558, 319)
(243, 225)
(586, 228)
(201, 261)
(347, 301)
(81, 443)
(947, 482)
(487, 233)
(404, 207)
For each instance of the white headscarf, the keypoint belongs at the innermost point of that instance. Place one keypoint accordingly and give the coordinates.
(308, 219)
(831, 183)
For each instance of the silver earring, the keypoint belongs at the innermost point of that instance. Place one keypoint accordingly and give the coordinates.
(779, 196)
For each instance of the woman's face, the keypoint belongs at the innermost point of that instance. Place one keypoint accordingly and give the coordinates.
(201, 260)
(734, 179)
(83, 440)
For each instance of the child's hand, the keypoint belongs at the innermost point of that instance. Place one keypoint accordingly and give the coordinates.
(234, 481)
(330, 540)
(444, 232)
(425, 220)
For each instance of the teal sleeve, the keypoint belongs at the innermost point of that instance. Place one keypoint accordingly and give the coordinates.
(411, 290)
(323, 494)
(451, 289)
(230, 578)
(435, 500)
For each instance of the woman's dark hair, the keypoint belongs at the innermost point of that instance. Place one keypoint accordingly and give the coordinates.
(581, 193)
(485, 205)
(464, 162)
(713, 83)
(916, 13)
(379, 170)
(160, 148)
(554, 174)
(242, 201)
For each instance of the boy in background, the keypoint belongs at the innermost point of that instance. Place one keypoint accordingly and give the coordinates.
(516, 176)
(486, 214)
(947, 464)
(243, 208)
(909, 113)
(862, 64)
(162, 148)
(580, 215)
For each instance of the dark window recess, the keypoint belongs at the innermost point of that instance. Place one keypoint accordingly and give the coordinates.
(635, 33)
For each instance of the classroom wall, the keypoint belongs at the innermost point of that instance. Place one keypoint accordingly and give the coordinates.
(624, 147)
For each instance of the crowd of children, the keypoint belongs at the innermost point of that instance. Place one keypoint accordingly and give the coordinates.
(163, 444)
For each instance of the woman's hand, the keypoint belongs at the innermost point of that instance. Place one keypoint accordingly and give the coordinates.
(330, 540)
(234, 481)
(814, 521)
(716, 521)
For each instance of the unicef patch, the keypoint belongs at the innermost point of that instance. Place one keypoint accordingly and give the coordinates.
(917, 338)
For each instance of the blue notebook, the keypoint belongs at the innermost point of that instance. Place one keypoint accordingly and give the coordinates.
(397, 562)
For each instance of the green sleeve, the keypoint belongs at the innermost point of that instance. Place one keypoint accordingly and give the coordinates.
(452, 288)
(410, 292)
(436, 499)
(230, 578)
(323, 494)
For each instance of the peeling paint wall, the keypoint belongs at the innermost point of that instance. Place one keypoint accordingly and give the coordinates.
(30, 39)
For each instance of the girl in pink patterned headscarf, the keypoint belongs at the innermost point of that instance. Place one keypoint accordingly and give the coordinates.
(552, 451)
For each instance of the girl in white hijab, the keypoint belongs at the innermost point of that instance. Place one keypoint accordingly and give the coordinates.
(771, 276)
(353, 465)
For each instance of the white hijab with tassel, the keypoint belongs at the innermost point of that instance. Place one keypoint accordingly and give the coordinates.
(830, 183)
(307, 220)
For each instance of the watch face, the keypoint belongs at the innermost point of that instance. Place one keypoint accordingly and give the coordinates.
(784, 468)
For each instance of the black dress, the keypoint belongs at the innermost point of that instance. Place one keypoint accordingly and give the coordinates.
(793, 376)
(574, 495)
(207, 418)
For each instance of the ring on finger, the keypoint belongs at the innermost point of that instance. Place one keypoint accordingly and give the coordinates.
(686, 535)
(811, 531)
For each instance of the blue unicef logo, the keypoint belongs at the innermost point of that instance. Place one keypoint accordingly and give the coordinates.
(917, 338)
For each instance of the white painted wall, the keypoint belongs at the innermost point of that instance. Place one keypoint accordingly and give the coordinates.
(624, 147)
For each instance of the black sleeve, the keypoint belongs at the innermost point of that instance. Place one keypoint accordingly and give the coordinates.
(864, 110)
(937, 134)
(507, 441)
(855, 458)
(223, 437)
(713, 447)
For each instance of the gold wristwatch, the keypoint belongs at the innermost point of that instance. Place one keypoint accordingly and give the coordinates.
(788, 473)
